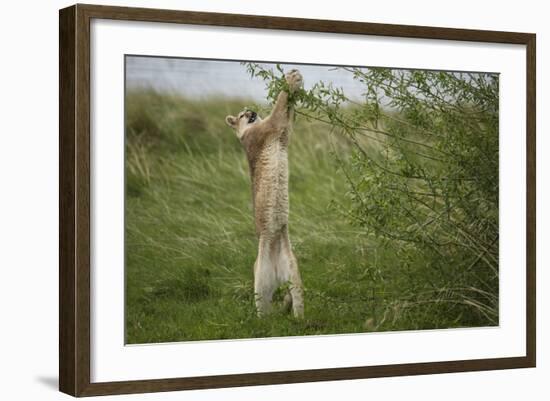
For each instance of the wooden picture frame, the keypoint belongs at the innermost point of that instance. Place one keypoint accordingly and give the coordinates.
(74, 200)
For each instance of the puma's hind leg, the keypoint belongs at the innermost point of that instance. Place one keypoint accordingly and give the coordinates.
(295, 296)
(296, 289)
(264, 279)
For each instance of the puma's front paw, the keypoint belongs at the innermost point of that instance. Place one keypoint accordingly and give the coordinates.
(294, 80)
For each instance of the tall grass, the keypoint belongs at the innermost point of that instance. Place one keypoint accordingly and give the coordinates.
(190, 242)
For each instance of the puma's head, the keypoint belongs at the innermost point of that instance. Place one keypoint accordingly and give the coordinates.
(244, 120)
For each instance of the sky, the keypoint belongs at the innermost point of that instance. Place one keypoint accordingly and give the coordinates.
(202, 78)
(206, 78)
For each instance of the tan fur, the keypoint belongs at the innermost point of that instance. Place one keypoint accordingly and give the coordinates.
(266, 146)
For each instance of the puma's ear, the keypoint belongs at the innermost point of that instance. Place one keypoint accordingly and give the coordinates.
(231, 121)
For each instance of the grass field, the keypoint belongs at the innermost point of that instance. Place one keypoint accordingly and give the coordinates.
(190, 242)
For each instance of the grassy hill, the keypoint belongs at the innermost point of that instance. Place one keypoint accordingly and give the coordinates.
(190, 242)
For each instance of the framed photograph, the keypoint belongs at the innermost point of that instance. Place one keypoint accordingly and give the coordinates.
(250, 200)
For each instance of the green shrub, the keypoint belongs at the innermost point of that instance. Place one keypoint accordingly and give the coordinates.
(422, 177)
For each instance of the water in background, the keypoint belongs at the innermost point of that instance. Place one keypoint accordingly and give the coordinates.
(195, 78)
